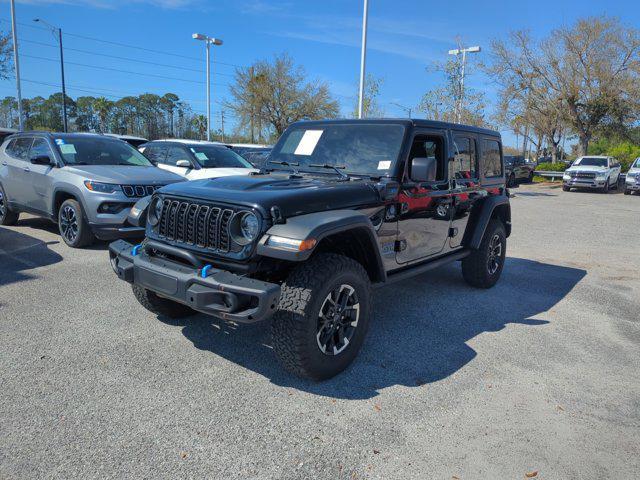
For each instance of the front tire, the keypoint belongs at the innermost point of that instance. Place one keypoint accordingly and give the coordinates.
(511, 182)
(605, 189)
(74, 229)
(566, 189)
(7, 217)
(160, 306)
(482, 268)
(323, 316)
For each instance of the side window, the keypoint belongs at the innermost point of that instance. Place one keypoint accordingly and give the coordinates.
(464, 163)
(156, 153)
(40, 148)
(491, 163)
(176, 153)
(19, 148)
(429, 146)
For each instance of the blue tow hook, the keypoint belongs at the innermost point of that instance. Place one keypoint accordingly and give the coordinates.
(134, 250)
(205, 270)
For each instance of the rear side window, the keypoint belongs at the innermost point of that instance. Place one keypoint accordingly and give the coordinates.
(491, 163)
(465, 158)
(19, 147)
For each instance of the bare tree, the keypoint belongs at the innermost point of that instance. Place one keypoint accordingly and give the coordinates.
(370, 105)
(588, 74)
(6, 55)
(275, 94)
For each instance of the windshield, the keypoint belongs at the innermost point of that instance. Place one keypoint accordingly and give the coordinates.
(591, 162)
(636, 164)
(218, 157)
(369, 149)
(99, 151)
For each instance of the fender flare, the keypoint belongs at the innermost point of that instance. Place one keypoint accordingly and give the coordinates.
(70, 190)
(479, 225)
(318, 226)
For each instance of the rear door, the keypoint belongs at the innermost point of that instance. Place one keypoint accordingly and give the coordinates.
(425, 208)
(18, 170)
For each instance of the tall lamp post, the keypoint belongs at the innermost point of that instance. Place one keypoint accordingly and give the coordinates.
(16, 62)
(464, 52)
(57, 30)
(363, 59)
(208, 41)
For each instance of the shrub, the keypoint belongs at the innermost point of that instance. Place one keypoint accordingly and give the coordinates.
(552, 167)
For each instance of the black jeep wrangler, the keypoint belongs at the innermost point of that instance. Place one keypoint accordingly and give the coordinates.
(343, 207)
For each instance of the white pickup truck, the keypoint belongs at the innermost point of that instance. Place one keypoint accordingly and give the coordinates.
(593, 172)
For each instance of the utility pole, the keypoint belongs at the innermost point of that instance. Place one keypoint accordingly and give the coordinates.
(222, 123)
(16, 62)
(406, 109)
(464, 52)
(363, 59)
(58, 30)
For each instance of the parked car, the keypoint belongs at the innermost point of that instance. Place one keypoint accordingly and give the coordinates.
(632, 179)
(85, 183)
(194, 159)
(131, 140)
(517, 169)
(593, 172)
(352, 205)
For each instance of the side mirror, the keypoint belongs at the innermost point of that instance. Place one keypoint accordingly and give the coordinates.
(423, 169)
(183, 163)
(41, 160)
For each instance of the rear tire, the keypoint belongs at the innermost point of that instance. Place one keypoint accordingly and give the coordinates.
(627, 192)
(511, 182)
(72, 225)
(160, 306)
(482, 268)
(7, 217)
(323, 316)
(566, 189)
(530, 179)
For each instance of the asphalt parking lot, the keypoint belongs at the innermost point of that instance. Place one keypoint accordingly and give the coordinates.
(540, 374)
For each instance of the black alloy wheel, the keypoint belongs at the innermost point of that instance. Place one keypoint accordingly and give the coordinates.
(338, 320)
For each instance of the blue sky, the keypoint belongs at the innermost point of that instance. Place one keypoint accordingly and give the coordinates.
(405, 36)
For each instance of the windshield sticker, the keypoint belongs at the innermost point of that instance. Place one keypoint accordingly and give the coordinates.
(201, 156)
(384, 165)
(59, 141)
(308, 142)
(67, 148)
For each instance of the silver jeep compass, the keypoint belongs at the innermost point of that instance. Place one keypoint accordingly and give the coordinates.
(86, 183)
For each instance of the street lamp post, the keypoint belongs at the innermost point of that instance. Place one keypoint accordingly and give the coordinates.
(464, 52)
(16, 62)
(208, 41)
(57, 30)
(363, 59)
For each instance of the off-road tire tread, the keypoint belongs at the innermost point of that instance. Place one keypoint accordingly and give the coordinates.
(160, 306)
(474, 267)
(287, 326)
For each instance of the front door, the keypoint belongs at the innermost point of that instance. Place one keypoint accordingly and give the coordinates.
(175, 155)
(425, 207)
(39, 191)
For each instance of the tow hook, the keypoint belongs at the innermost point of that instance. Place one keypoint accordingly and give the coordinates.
(205, 270)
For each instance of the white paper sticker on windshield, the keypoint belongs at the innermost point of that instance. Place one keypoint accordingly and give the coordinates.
(201, 156)
(384, 165)
(308, 142)
(68, 148)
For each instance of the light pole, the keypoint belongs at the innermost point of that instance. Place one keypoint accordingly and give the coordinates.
(406, 109)
(16, 62)
(464, 52)
(208, 41)
(57, 30)
(363, 58)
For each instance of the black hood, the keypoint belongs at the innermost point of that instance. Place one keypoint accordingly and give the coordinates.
(294, 196)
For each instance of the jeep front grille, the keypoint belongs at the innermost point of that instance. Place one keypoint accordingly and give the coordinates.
(589, 175)
(204, 226)
(139, 191)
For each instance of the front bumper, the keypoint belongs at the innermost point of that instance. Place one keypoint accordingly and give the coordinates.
(584, 183)
(112, 232)
(634, 185)
(219, 293)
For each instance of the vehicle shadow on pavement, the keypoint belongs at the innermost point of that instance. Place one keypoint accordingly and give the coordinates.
(418, 334)
(20, 253)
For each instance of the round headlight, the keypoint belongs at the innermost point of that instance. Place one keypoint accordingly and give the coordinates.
(155, 211)
(249, 226)
(244, 228)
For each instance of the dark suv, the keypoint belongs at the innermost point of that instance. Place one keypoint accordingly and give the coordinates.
(344, 207)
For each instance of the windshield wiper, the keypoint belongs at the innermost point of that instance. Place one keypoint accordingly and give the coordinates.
(337, 168)
(291, 165)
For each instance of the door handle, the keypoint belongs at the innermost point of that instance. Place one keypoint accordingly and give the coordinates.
(26, 169)
(5, 163)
